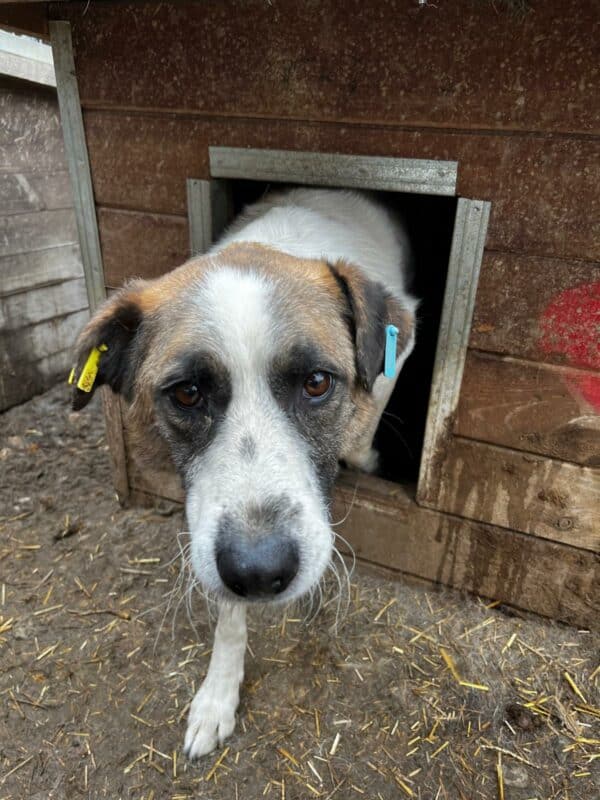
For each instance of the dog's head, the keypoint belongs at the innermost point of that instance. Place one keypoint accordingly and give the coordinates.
(253, 371)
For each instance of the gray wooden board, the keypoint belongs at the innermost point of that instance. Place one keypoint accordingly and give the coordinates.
(33, 377)
(77, 160)
(41, 267)
(422, 176)
(26, 308)
(41, 340)
(466, 254)
(22, 233)
(23, 191)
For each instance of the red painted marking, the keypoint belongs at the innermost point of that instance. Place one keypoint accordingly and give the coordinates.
(570, 326)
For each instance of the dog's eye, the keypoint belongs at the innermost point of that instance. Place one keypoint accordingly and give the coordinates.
(318, 385)
(186, 396)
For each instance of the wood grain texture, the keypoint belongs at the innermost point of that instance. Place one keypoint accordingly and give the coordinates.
(514, 296)
(352, 61)
(38, 356)
(30, 125)
(113, 423)
(140, 245)
(526, 406)
(519, 491)
(33, 376)
(386, 527)
(39, 268)
(543, 190)
(21, 309)
(26, 192)
(22, 233)
(40, 340)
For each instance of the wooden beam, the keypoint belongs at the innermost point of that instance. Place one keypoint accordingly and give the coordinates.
(539, 408)
(468, 240)
(520, 491)
(78, 162)
(87, 225)
(386, 528)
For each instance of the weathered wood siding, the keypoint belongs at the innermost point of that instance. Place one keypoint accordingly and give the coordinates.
(42, 291)
(512, 98)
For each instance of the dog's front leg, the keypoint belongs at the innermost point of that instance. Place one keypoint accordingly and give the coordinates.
(212, 713)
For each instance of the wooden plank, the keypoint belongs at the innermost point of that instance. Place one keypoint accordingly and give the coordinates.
(32, 377)
(409, 175)
(25, 192)
(544, 190)
(25, 18)
(113, 423)
(31, 133)
(39, 268)
(534, 407)
(386, 527)
(26, 58)
(543, 309)
(140, 245)
(210, 208)
(350, 62)
(22, 233)
(468, 240)
(520, 491)
(19, 310)
(40, 341)
(77, 161)
(36, 358)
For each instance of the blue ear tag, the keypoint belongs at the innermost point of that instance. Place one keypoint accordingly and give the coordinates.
(391, 342)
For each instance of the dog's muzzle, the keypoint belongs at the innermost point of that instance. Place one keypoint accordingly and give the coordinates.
(258, 567)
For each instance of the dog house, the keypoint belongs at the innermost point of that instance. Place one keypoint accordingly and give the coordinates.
(483, 115)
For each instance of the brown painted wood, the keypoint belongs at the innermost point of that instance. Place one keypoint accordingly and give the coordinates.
(526, 406)
(543, 190)
(25, 17)
(140, 245)
(459, 64)
(113, 422)
(386, 527)
(519, 491)
(513, 307)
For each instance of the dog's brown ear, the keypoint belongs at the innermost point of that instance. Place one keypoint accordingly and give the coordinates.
(370, 308)
(107, 349)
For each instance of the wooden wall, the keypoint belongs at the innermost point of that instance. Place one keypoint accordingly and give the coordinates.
(513, 98)
(43, 299)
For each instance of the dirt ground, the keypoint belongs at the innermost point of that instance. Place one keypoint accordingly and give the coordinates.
(423, 692)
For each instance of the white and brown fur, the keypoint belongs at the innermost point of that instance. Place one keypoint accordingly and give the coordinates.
(304, 281)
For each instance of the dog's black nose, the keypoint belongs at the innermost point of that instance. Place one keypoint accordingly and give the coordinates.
(258, 567)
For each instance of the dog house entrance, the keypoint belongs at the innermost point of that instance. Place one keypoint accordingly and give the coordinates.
(447, 235)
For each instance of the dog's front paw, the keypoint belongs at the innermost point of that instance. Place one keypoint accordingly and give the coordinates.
(211, 719)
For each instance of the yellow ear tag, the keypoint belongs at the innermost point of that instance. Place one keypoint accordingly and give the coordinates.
(71, 379)
(90, 369)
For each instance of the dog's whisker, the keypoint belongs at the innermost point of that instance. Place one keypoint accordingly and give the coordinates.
(347, 514)
(398, 434)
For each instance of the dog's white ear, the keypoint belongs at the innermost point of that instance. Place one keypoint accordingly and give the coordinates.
(107, 349)
(370, 308)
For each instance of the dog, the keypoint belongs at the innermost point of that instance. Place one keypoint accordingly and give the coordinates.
(256, 369)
